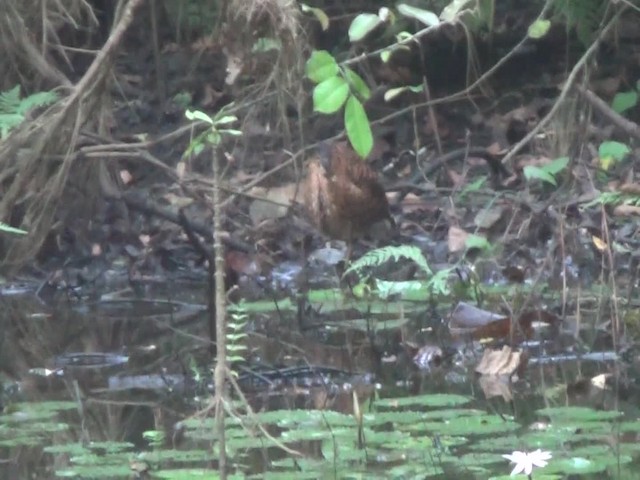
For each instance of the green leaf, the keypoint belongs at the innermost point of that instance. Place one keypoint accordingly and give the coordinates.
(394, 92)
(318, 13)
(266, 44)
(198, 115)
(532, 172)
(616, 150)
(539, 28)
(451, 11)
(362, 25)
(321, 66)
(357, 125)
(330, 94)
(224, 120)
(623, 101)
(358, 84)
(385, 56)
(477, 241)
(9, 229)
(556, 166)
(430, 19)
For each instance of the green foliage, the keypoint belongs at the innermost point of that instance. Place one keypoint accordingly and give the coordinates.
(374, 258)
(584, 15)
(612, 152)
(379, 256)
(613, 198)
(338, 87)
(624, 101)
(13, 108)
(426, 17)
(9, 229)
(236, 335)
(539, 28)
(548, 172)
(211, 136)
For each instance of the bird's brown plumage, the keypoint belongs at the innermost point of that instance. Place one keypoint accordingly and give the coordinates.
(342, 193)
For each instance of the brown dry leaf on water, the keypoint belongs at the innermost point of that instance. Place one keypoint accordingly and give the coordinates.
(496, 386)
(272, 203)
(503, 362)
(467, 319)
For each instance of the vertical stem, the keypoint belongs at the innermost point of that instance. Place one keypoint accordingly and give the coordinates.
(221, 317)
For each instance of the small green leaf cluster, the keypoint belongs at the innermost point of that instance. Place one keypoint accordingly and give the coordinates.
(547, 173)
(336, 87)
(13, 108)
(623, 101)
(212, 136)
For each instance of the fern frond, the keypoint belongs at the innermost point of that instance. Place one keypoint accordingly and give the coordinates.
(378, 256)
(10, 100)
(38, 99)
(13, 108)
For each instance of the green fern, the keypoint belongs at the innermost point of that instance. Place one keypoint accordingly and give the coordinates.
(13, 108)
(613, 198)
(237, 335)
(378, 256)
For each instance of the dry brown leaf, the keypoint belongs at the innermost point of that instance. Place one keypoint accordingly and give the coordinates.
(631, 188)
(272, 202)
(626, 210)
(488, 217)
(499, 362)
(456, 239)
(181, 169)
(495, 386)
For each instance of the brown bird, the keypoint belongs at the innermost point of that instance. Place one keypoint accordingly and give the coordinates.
(342, 194)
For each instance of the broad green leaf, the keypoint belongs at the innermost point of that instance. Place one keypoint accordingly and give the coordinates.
(477, 241)
(330, 94)
(198, 115)
(539, 28)
(430, 19)
(623, 101)
(532, 172)
(556, 166)
(357, 125)
(362, 25)
(321, 66)
(318, 13)
(358, 84)
(613, 149)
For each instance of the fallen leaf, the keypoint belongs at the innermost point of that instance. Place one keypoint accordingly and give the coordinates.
(626, 210)
(488, 217)
(272, 203)
(499, 362)
(457, 239)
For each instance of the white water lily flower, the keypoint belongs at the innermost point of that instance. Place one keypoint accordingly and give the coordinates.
(525, 461)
